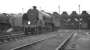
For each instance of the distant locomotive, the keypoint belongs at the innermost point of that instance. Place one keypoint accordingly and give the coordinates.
(4, 22)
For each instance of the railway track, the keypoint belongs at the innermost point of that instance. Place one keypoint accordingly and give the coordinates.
(68, 42)
(60, 41)
(64, 44)
(8, 37)
(55, 41)
(25, 41)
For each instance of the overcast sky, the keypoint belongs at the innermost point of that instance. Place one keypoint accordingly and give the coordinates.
(15, 6)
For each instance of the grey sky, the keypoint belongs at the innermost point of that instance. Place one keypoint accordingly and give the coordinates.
(15, 6)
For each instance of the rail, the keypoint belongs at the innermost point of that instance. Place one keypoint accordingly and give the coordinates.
(64, 43)
(8, 37)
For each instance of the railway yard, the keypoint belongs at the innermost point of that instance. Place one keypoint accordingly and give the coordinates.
(58, 40)
(40, 30)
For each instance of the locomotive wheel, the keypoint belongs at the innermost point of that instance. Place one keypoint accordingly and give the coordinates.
(31, 30)
(38, 30)
(26, 31)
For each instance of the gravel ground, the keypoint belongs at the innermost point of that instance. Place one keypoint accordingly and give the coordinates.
(78, 42)
(25, 41)
(48, 44)
(52, 43)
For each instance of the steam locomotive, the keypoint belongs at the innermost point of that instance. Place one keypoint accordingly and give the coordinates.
(35, 21)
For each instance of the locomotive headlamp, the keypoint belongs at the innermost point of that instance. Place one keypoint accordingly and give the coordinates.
(29, 22)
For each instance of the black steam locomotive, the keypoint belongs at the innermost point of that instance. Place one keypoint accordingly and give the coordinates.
(36, 21)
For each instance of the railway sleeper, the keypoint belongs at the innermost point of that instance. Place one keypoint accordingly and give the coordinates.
(9, 38)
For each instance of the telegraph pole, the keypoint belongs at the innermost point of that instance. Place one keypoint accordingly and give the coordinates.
(23, 10)
(79, 8)
(59, 8)
(79, 16)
